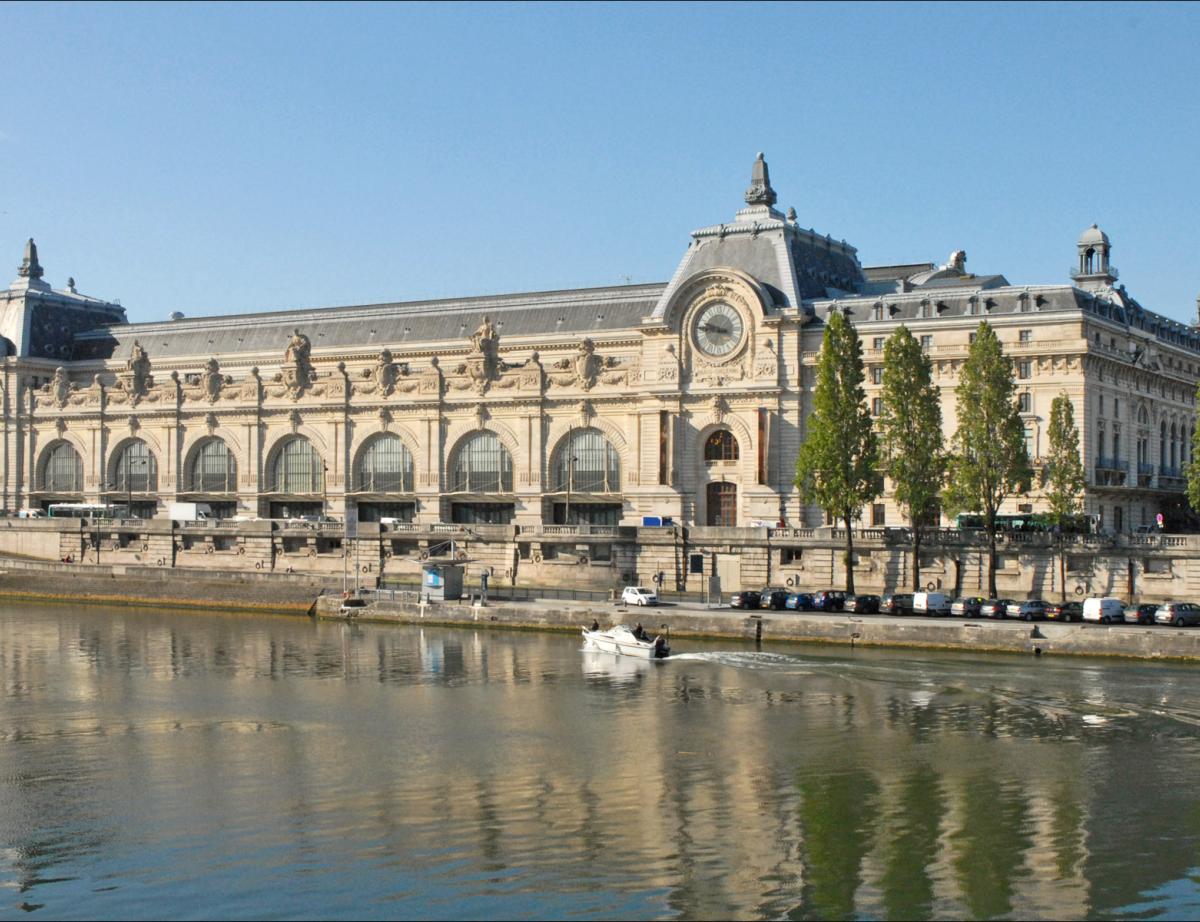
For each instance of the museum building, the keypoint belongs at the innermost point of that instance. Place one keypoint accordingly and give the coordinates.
(595, 406)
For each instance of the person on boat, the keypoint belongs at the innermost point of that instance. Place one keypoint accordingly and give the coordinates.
(640, 632)
(595, 625)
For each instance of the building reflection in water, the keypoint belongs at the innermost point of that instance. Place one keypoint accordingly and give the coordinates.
(503, 766)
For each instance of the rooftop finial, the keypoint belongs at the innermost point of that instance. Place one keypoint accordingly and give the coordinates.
(30, 267)
(760, 191)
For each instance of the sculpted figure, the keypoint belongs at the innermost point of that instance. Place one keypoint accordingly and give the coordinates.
(298, 349)
(486, 339)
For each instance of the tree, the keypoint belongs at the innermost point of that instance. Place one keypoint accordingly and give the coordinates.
(1193, 470)
(988, 461)
(1065, 478)
(910, 429)
(837, 464)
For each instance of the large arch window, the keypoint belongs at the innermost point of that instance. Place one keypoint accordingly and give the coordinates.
(385, 466)
(135, 469)
(298, 468)
(482, 465)
(62, 471)
(721, 446)
(214, 469)
(587, 463)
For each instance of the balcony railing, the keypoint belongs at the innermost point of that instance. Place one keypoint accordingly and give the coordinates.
(1145, 470)
(1111, 464)
(1077, 273)
(1164, 471)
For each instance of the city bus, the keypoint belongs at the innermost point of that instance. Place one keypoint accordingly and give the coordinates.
(1030, 521)
(88, 511)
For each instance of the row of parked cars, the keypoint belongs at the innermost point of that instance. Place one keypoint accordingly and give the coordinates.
(1099, 610)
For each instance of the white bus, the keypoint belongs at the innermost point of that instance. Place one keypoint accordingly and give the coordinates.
(88, 511)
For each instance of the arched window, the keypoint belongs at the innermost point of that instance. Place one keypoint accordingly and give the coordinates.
(587, 463)
(136, 469)
(1174, 447)
(297, 468)
(62, 471)
(384, 466)
(721, 446)
(1162, 444)
(482, 465)
(214, 469)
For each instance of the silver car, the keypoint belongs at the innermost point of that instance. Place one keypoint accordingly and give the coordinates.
(1177, 613)
(1029, 610)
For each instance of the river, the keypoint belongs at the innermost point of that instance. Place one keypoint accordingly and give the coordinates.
(166, 764)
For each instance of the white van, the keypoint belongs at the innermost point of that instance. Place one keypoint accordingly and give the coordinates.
(1104, 611)
(931, 603)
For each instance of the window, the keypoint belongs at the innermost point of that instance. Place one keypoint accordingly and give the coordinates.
(1025, 402)
(384, 466)
(722, 504)
(1025, 336)
(1030, 443)
(878, 515)
(62, 471)
(879, 341)
(878, 311)
(877, 374)
(587, 463)
(1023, 370)
(721, 446)
(298, 468)
(136, 469)
(926, 343)
(214, 469)
(1117, 407)
(877, 406)
(971, 338)
(1025, 508)
(482, 465)
(1101, 404)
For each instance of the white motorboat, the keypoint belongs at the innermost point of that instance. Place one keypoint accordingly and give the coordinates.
(623, 641)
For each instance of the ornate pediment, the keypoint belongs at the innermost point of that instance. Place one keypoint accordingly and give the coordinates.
(136, 381)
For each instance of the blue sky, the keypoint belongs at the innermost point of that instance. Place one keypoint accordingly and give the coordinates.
(217, 159)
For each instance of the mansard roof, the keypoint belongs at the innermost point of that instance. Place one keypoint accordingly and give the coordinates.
(583, 312)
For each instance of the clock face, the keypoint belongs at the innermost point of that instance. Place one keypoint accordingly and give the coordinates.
(718, 330)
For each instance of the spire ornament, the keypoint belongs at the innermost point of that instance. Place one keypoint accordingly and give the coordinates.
(760, 191)
(30, 267)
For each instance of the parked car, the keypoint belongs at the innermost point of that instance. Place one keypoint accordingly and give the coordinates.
(744, 600)
(1029, 610)
(862, 604)
(898, 603)
(1178, 614)
(773, 598)
(1064, 611)
(931, 603)
(994, 608)
(799, 601)
(966, 607)
(828, 600)
(639, 595)
(1140, 614)
(1104, 611)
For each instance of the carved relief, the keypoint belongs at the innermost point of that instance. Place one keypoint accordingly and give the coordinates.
(59, 387)
(211, 381)
(136, 381)
(483, 365)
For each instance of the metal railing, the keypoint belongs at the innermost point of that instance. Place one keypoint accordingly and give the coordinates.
(1111, 464)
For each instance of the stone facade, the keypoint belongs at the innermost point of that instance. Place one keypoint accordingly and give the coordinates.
(593, 407)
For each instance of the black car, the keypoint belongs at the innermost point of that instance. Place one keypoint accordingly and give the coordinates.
(748, 599)
(828, 600)
(898, 603)
(1065, 611)
(773, 598)
(862, 604)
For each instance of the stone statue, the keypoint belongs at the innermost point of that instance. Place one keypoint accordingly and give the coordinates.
(136, 379)
(211, 380)
(586, 364)
(298, 349)
(485, 339)
(385, 372)
(957, 261)
(139, 361)
(60, 387)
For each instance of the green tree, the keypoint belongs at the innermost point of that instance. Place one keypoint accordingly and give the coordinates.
(988, 461)
(837, 464)
(1064, 475)
(1193, 470)
(910, 429)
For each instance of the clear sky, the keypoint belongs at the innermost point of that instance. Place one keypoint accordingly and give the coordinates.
(217, 159)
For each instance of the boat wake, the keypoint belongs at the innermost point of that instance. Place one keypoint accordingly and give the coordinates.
(743, 659)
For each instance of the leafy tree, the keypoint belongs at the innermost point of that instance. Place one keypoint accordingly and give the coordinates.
(1193, 470)
(988, 461)
(911, 435)
(837, 464)
(1065, 478)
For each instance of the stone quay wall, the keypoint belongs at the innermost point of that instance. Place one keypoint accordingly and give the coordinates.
(1134, 567)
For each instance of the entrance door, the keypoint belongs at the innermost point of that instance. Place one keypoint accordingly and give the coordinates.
(722, 504)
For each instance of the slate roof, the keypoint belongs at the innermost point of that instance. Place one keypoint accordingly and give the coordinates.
(587, 311)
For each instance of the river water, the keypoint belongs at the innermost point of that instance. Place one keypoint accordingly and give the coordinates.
(163, 764)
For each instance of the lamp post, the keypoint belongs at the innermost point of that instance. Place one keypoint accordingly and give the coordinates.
(570, 480)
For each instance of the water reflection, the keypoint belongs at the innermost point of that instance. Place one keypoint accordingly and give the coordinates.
(275, 766)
